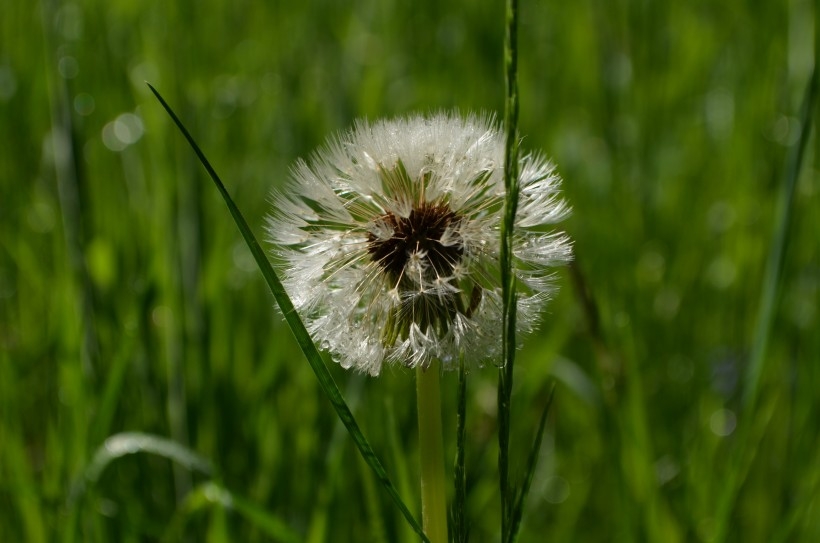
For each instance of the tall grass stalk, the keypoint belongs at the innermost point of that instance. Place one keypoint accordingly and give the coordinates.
(505, 372)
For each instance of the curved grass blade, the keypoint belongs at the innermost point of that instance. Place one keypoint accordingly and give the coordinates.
(518, 507)
(211, 493)
(505, 372)
(126, 443)
(298, 329)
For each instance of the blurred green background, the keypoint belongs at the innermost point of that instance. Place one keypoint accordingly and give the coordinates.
(129, 303)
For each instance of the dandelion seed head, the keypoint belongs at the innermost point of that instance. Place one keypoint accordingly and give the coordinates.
(389, 241)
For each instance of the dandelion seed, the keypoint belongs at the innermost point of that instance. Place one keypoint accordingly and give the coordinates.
(389, 241)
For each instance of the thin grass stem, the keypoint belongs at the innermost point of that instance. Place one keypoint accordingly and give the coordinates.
(518, 507)
(459, 472)
(505, 374)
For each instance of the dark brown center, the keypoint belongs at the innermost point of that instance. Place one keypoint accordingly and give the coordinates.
(419, 233)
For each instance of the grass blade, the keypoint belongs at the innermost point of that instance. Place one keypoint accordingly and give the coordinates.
(505, 372)
(298, 329)
(400, 462)
(317, 531)
(120, 445)
(804, 502)
(114, 382)
(518, 507)
(774, 265)
(376, 530)
(211, 493)
(126, 443)
(748, 435)
(19, 484)
(459, 474)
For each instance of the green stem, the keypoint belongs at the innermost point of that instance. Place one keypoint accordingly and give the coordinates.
(508, 310)
(297, 327)
(459, 526)
(433, 495)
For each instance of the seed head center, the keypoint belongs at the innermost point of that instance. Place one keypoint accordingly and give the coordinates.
(418, 234)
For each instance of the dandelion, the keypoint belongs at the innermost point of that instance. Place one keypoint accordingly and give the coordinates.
(390, 238)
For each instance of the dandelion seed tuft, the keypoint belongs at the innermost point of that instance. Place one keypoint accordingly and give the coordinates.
(389, 240)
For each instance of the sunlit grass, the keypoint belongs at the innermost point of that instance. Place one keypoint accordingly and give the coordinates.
(141, 310)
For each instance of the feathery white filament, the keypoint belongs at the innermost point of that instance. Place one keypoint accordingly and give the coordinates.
(389, 241)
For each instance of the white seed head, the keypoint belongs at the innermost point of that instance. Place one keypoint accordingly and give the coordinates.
(389, 237)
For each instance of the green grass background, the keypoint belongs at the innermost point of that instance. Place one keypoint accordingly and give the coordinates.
(129, 303)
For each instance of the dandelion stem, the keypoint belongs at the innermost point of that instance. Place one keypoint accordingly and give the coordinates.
(433, 495)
